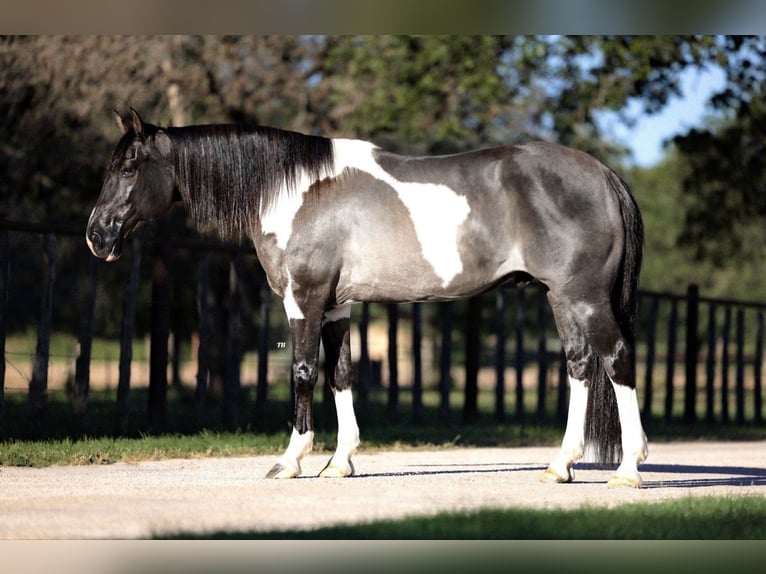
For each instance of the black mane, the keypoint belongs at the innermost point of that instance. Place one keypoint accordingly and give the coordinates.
(229, 175)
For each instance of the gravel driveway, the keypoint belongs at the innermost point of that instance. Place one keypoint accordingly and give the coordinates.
(229, 494)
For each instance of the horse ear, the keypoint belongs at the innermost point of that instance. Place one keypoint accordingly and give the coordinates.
(138, 124)
(121, 122)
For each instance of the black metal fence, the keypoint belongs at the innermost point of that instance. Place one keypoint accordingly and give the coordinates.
(699, 358)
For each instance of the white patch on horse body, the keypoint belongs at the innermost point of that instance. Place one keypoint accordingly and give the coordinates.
(279, 218)
(292, 309)
(436, 210)
(336, 314)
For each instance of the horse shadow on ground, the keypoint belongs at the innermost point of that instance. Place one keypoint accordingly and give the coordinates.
(711, 475)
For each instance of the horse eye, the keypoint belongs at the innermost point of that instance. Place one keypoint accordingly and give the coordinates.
(128, 171)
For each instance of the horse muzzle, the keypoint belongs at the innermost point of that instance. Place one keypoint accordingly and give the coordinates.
(105, 241)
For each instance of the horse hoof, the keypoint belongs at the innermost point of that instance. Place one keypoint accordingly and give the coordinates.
(550, 475)
(618, 481)
(333, 471)
(279, 471)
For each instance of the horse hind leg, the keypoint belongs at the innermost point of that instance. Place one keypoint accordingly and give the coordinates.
(586, 329)
(573, 444)
(578, 353)
(618, 360)
(336, 341)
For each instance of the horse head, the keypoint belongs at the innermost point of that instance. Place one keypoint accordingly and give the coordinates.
(139, 185)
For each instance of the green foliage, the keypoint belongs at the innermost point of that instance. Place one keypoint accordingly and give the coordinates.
(671, 259)
(411, 93)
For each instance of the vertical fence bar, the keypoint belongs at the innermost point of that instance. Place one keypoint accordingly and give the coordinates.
(445, 362)
(725, 365)
(203, 326)
(262, 386)
(38, 385)
(472, 353)
(519, 363)
(758, 369)
(82, 365)
(740, 368)
(691, 354)
(4, 260)
(393, 361)
(417, 363)
(542, 356)
(671, 362)
(501, 332)
(232, 384)
(160, 331)
(364, 359)
(651, 353)
(710, 366)
(129, 302)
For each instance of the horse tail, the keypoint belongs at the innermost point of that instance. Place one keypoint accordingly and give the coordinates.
(602, 422)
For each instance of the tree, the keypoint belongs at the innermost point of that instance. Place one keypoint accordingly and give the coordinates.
(726, 182)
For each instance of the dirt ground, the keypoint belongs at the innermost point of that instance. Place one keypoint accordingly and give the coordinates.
(229, 494)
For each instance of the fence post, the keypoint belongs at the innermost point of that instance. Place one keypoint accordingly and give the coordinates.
(519, 362)
(38, 386)
(692, 348)
(82, 365)
(203, 349)
(393, 361)
(445, 362)
(417, 363)
(4, 259)
(725, 365)
(542, 357)
(651, 353)
(130, 297)
(160, 330)
(710, 366)
(365, 372)
(671, 360)
(472, 353)
(740, 370)
(501, 324)
(758, 369)
(262, 387)
(232, 384)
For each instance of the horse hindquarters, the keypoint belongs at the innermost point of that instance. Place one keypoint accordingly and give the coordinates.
(596, 326)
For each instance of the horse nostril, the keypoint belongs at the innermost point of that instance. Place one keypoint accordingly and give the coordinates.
(96, 240)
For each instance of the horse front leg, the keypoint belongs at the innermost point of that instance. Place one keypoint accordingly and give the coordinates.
(336, 341)
(305, 339)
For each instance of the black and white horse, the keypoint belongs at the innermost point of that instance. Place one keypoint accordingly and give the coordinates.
(341, 221)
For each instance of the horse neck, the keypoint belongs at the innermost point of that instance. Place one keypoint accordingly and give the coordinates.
(229, 175)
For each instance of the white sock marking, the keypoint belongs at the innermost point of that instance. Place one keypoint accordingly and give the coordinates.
(634, 446)
(348, 430)
(574, 436)
(300, 445)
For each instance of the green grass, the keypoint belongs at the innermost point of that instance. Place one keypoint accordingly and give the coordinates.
(709, 518)
(61, 439)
